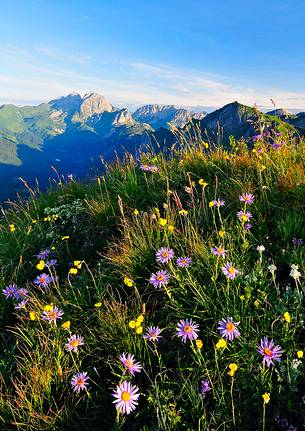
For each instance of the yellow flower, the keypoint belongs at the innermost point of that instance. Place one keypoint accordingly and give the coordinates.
(34, 221)
(266, 397)
(140, 318)
(256, 304)
(136, 212)
(183, 212)
(48, 307)
(287, 317)
(73, 271)
(242, 297)
(211, 204)
(32, 315)
(222, 233)
(300, 354)
(132, 324)
(263, 167)
(162, 221)
(65, 237)
(78, 264)
(232, 369)
(138, 324)
(98, 304)
(199, 344)
(12, 227)
(66, 325)
(221, 344)
(40, 265)
(202, 183)
(205, 144)
(139, 330)
(171, 228)
(128, 281)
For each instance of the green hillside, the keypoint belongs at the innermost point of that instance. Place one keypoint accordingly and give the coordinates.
(241, 269)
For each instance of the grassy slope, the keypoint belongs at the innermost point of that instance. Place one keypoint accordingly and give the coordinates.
(114, 243)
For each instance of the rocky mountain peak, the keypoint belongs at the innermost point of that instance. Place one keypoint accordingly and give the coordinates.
(94, 103)
(123, 117)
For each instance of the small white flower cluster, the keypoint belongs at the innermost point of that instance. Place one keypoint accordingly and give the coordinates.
(295, 273)
(260, 249)
(272, 268)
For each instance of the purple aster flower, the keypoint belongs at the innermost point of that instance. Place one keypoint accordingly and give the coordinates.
(257, 137)
(230, 271)
(244, 215)
(228, 328)
(183, 262)
(205, 387)
(154, 169)
(277, 145)
(21, 293)
(129, 363)
(187, 329)
(297, 241)
(52, 315)
(21, 305)
(159, 279)
(153, 333)
(248, 198)
(218, 202)
(51, 263)
(219, 251)
(164, 255)
(269, 351)
(126, 397)
(79, 381)
(74, 342)
(43, 254)
(145, 168)
(10, 291)
(247, 226)
(43, 280)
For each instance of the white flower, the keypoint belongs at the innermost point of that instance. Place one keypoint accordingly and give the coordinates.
(294, 273)
(272, 268)
(260, 248)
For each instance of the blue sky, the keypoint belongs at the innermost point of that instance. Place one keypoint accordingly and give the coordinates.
(195, 52)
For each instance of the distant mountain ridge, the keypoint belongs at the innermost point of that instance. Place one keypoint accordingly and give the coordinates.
(165, 115)
(73, 131)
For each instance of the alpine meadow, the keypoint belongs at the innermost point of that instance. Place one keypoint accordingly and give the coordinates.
(152, 216)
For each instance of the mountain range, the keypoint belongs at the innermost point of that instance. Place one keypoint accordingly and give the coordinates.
(71, 132)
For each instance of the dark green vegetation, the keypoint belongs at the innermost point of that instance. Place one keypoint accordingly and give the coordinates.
(97, 224)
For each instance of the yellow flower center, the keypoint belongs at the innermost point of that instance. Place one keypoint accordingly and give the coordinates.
(125, 396)
(80, 381)
(129, 363)
(41, 280)
(220, 250)
(231, 270)
(165, 254)
(187, 328)
(244, 217)
(160, 277)
(74, 343)
(52, 315)
(230, 326)
(267, 352)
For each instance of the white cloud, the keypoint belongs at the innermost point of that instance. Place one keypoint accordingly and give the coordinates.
(43, 73)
